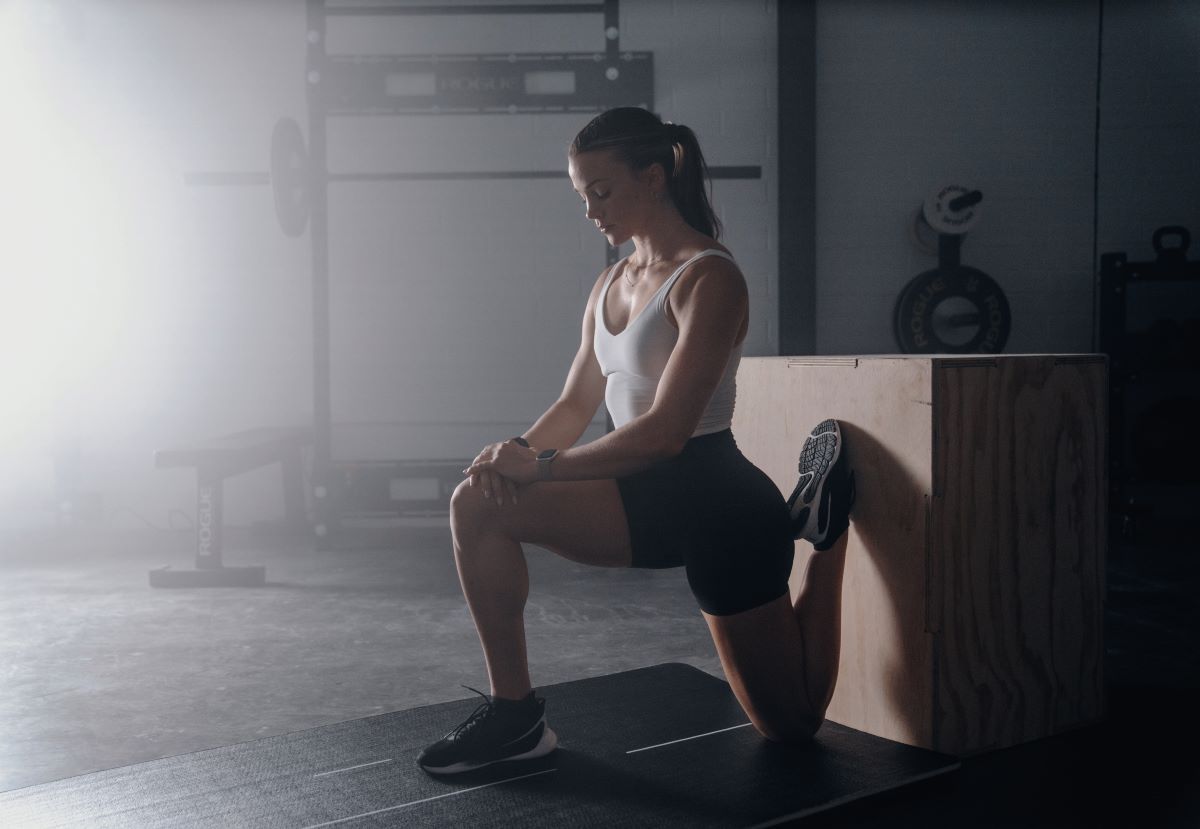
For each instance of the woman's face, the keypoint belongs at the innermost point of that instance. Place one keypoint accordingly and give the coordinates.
(620, 202)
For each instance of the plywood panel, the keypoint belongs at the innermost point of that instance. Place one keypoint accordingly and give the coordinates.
(973, 597)
(1018, 537)
(885, 683)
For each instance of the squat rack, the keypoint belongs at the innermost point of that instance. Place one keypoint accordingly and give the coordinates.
(366, 85)
(374, 85)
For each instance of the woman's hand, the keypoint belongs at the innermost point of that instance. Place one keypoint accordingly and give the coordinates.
(501, 468)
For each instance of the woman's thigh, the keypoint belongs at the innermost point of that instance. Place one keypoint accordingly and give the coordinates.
(583, 521)
(762, 655)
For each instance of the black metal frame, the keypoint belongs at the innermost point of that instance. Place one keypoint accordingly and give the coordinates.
(485, 83)
(356, 85)
(341, 85)
(797, 177)
(1125, 368)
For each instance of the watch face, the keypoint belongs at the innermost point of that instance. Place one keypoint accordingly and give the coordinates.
(547, 454)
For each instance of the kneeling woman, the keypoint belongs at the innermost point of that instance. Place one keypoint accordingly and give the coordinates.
(661, 342)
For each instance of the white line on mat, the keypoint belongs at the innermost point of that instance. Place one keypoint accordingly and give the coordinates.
(427, 799)
(684, 739)
(352, 768)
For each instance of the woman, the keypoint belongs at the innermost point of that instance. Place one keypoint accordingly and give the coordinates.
(662, 339)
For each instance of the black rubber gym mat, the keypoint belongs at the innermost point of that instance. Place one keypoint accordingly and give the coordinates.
(662, 746)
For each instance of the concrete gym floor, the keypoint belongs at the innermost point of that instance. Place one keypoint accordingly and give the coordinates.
(100, 670)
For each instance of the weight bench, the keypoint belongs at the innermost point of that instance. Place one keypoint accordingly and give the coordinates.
(218, 459)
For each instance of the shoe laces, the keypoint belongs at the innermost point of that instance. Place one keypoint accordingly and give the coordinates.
(477, 716)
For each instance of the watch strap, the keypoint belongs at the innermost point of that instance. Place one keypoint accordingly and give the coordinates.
(544, 460)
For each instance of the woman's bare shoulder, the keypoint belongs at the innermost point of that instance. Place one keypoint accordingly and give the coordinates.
(598, 286)
(714, 245)
(713, 265)
(710, 280)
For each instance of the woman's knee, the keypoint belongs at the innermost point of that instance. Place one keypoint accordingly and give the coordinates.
(469, 510)
(796, 731)
(473, 514)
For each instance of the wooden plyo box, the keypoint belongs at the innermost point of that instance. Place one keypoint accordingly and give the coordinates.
(973, 600)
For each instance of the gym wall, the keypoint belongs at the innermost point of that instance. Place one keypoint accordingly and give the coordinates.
(216, 315)
(455, 306)
(208, 303)
(1149, 132)
(1001, 97)
(996, 96)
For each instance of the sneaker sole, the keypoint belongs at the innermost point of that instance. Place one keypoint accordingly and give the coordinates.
(545, 745)
(820, 453)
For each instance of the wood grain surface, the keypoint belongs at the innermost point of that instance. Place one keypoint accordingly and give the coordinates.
(885, 678)
(1018, 531)
(973, 596)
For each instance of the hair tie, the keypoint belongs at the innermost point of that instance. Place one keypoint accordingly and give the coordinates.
(671, 133)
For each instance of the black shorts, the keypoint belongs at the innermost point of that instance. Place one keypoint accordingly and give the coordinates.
(712, 511)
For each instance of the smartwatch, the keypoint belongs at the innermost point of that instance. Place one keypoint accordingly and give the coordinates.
(544, 459)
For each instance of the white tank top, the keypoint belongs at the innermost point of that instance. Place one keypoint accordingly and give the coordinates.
(633, 361)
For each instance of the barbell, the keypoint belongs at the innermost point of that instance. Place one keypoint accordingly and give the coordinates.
(291, 176)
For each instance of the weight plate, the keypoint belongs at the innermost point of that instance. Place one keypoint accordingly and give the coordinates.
(922, 235)
(289, 176)
(946, 214)
(952, 311)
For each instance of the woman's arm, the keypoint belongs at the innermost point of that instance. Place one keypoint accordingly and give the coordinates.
(710, 309)
(560, 426)
(568, 417)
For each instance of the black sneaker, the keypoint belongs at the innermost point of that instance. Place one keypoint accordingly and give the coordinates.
(821, 502)
(497, 731)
